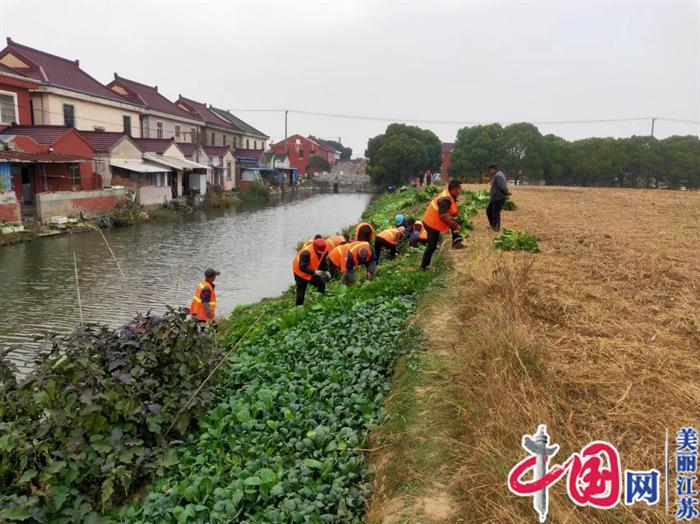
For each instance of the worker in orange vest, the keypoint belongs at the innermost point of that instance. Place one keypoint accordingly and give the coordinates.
(348, 257)
(439, 218)
(388, 239)
(310, 266)
(419, 235)
(334, 241)
(203, 306)
(364, 232)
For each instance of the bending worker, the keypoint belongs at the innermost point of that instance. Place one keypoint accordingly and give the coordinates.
(334, 241)
(438, 218)
(388, 239)
(310, 267)
(347, 257)
(364, 233)
(418, 235)
(203, 306)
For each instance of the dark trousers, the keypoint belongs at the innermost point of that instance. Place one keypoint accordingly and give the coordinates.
(379, 244)
(493, 213)
(302, 285)
(431, 245)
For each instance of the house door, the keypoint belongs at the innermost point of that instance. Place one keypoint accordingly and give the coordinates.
(172, 177)
(27, 185)
(186, 186)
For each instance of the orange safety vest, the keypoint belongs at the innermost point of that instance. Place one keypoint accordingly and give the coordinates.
(314, 262)
(359, 226)
(432, 213)
(391, 235)
(335, 241)
(196, 307)
(423, 235)
(339, 256)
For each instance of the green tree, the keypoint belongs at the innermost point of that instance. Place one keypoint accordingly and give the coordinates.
(345, 152)
(476, 147)
(680, 157)
(430, 151)
(556, 162)
(523, 150)
(397, 161)
(317, 164)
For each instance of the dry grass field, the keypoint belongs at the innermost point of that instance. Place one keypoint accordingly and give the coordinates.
(598, 336)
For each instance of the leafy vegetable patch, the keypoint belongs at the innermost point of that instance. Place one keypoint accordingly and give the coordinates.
(512, 240)
(284, 443)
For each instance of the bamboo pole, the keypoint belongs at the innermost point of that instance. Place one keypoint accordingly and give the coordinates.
(119, 268)
(177, 281)
(77, 287)
(213, 371)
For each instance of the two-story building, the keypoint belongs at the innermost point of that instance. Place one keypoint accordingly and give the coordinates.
(245, 135)
(300, 149)
(216, 131)
(68, 96)
(160, 117)
(447, 149)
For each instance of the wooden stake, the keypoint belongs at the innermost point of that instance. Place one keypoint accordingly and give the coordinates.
(77, 287)
(119, 268)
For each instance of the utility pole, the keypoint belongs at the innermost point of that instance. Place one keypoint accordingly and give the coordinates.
(286, 146)
(653, 119)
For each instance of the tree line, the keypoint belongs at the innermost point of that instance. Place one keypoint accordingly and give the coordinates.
(522, 152)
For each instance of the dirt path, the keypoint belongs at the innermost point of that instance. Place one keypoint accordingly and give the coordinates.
(598, 336)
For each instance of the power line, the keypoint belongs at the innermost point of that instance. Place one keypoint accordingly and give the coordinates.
(461, 122)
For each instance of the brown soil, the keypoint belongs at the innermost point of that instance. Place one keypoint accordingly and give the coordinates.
(598, 336)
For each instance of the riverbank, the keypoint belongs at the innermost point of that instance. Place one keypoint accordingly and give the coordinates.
(300, 395)
(596, 336)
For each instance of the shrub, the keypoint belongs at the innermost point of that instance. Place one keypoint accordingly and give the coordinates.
(255, 192)
(86, 428)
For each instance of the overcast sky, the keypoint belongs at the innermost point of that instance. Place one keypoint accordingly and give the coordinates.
(458, 61)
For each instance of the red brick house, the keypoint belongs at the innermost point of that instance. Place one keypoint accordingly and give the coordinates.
(300, 149)
(447, 148)
(69, 169)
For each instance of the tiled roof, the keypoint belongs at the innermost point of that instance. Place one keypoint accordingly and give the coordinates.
(238, 123)
(204, 112)
(150, 97)
(153, 145)
(254, 154)
(58, 71)
(40, 158)
(101, 141)
(447, 147)
(9, 70)
(187, 148)
(217, 150)
(323, 143)
(44, 135)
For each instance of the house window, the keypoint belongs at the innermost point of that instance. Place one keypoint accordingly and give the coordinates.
(99, 129)
(75, 176)
(8, 108)
(69, 115)
(159, 129)
(193, 135)
(247, 143)
(224, 140)
(213, 136)
(177, 132)
(228, 170)
(127, 125)
(255, 144)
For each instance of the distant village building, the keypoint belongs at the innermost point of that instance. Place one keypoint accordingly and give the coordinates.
(245, 135)
(300, 149)
(68, 96)
(216, 131)
(160, 117)
(447, 148)
(355, 166)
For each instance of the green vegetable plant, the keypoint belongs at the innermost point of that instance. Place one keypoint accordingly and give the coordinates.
(511, 240)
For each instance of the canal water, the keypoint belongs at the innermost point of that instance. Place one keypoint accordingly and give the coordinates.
(252, 247)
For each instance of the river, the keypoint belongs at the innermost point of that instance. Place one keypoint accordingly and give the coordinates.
(252, 247)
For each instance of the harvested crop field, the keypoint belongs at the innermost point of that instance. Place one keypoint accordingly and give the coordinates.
(598, 336)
